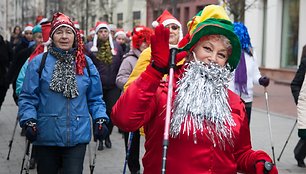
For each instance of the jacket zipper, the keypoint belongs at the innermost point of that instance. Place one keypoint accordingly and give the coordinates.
(68, 122)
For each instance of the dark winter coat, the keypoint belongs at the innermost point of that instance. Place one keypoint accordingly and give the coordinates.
(297, 82)
(6, 55)
(108, 72)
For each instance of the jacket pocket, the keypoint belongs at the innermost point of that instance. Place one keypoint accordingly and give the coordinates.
(81, 129)
(51, 129)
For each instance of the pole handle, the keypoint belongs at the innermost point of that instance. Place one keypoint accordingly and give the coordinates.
(173, 53)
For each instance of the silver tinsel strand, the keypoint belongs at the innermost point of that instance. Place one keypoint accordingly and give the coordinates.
(202, 104)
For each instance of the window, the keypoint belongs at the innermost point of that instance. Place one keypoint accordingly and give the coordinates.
(136, 18)
(119, 20)
(290, 31)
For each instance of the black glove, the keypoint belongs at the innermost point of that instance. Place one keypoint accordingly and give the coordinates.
(31, 130)
(264, 81)
(100, 129)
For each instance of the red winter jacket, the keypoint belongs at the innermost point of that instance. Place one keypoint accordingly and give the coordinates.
(144, 104)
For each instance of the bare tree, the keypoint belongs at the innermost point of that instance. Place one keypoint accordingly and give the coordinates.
(238, 7)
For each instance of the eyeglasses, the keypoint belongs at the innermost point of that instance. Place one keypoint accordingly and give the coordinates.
(173, 27)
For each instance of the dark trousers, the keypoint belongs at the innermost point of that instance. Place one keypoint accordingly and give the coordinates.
(300, 150)
(110, 97)
(133, 158)
(3, 90)
(63, 160)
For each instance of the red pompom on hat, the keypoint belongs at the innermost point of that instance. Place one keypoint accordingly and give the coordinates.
(59, 20)
(100, 25)
(167, 18)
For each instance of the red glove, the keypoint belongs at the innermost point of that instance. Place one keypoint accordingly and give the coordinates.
(265, 167)
(160, 48)
(264, 164)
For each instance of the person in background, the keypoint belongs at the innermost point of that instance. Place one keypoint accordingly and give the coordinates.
(91, 35)
(141, 40)
(27, 37)
(15, 37)
(55, 107)
(247, 72)
(176, 35)
(21, 57)
(121, 38)
(209, 131)
(107, 57)
(6, 55)
(298, 89)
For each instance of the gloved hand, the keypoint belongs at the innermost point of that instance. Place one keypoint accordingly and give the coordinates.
(261, 165)
(160, 48)
(265, 167)
(31, 130)
(100, 129)
(264, 81)
(302, 134)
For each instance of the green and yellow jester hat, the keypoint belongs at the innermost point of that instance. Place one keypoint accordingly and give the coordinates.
(212, 20)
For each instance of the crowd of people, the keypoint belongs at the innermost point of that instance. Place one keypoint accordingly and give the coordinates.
(69, 86)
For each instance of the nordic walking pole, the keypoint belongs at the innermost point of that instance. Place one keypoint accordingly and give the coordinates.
(89, 155)
(287, 141)
(26, 153)
(270, 129)
(12, 139)
(93, 164)
(173, 52)
(131, 134)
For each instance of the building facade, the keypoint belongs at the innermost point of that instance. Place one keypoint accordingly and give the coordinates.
(275, 26)
(129, 13)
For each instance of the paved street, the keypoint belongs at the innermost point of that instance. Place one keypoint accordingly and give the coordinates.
(111, 161)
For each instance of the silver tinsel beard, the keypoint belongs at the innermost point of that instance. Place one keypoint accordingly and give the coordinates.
(202, 104)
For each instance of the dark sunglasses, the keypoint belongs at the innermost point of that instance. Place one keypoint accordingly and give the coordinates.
(173, 27)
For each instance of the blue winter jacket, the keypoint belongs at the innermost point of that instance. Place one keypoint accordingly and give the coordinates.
(61, 121)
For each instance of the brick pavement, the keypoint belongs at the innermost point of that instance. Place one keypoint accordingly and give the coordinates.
(280, 99)
(110, 161)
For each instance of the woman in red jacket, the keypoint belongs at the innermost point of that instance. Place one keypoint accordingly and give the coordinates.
(209, 131)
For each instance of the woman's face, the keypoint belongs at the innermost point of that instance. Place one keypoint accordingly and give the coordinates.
(17, 30)
(212, 49)
(120, 39)
(174, 33)
(63, 38)
(28, 35)
(38, 38)
(103, 34)
(143, 46)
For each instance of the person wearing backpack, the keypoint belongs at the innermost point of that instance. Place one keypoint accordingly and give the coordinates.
(55, 107)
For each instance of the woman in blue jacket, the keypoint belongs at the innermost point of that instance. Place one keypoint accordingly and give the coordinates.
(55, 105)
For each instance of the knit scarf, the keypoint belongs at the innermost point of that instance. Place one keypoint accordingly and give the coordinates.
(64, 77)
(104, 53)
(241, 76)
